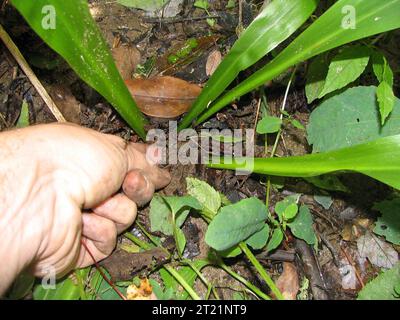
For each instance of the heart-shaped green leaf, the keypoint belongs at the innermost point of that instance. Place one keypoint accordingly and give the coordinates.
(235, 223)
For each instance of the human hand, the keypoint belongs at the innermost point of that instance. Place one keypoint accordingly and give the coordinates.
(59, 185)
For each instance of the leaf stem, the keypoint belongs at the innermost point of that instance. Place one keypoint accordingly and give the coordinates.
(137, 241)
(182, 282)
(210, 287)
(239, 278)
(261, 271)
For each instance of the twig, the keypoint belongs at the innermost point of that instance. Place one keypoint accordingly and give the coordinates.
(317, 284)
(283, 109)
(257, 115)
(9, 43)
(277, 255)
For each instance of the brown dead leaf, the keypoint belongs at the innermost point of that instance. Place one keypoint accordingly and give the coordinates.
(213, 61)
(66, 102)
(126, 59)
(163, 97)
(143, 292)
(288, 282)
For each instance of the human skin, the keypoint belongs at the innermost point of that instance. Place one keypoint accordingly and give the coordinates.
(60, 185)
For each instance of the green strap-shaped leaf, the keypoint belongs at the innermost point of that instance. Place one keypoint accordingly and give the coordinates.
(69, 29)
(273, 25)
(379, 159)
(329, 31)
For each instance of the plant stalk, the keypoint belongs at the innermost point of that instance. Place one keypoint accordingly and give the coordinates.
(261, 271)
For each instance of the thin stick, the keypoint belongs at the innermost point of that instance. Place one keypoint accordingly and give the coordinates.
(9, 43)
(283, 109)
(112, 285)
(257, 115)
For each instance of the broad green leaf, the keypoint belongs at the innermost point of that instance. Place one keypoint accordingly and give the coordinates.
(161, 214)
(301, 226)
(208, 197)
(316, 75)
(381, 68)
(202, 4)
(297, 124)
(269, 124)
(286, 207)
(69, 29)
(290, 212)
(258, 240)
(326, 33)
(379, 159)
(231, 252)
(147, 5)
(350, 118)
(275, 23)
(167, 294)
(388, 225)
(386, 99)
(23, 120)
(276, 239)
(346, 67)
(176, 204)
(65, 289)
(384, 93)
(382, 287)
(235, 223)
